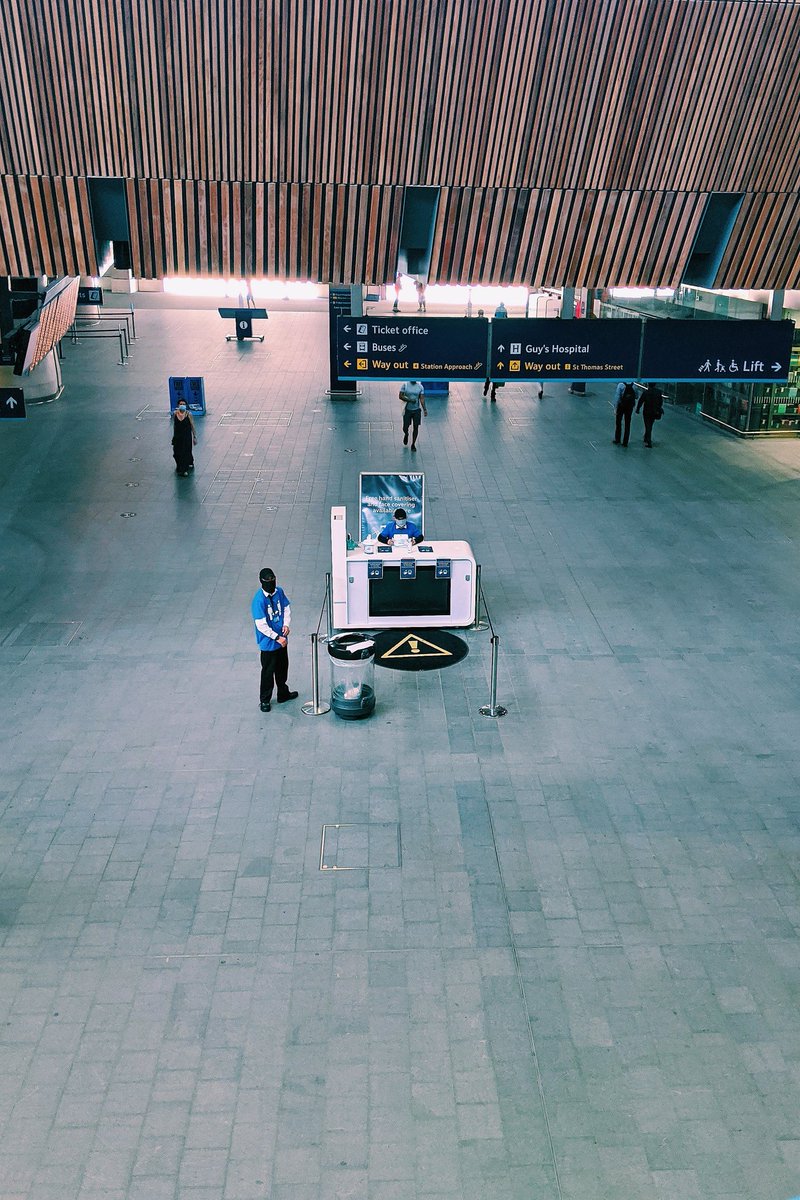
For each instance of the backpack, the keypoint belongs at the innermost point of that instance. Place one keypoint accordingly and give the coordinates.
(628, 394)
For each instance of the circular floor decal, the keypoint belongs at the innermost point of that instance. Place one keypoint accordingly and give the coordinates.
(418, 650)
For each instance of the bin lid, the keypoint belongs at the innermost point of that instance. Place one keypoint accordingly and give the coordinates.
(348, 647)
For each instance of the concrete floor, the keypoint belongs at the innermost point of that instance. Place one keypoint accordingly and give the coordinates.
(582, 982)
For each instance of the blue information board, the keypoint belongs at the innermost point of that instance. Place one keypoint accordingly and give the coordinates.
(421, 348)
(189, 388)
(12, 403)
(718, 351)
(547, 348)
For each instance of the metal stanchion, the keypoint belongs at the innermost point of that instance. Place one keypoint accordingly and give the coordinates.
(313, 707)
(328, 608)
(479, 622)
(493, 709)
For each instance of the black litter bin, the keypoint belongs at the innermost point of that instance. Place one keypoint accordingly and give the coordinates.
(352, 657)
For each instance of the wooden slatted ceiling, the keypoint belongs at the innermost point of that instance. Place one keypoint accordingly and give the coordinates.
(573, 140)
(612, 94)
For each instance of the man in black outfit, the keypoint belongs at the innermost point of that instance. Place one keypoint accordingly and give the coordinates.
(651, 406)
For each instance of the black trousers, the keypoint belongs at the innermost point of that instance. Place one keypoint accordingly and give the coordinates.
(623, 413)
(648, 427)
(409, 419)
(274, 666)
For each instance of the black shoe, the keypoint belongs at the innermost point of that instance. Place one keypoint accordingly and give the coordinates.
(649, 445)
(624, 445)
(414, 448)
(405, 440)
(287, 696)
(266, 706)
(616, 442)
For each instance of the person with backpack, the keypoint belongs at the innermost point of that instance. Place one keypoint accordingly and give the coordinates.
(651, 406)
(623, 410)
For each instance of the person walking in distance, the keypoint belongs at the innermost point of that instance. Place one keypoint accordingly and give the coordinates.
(412, 394)
(623, 411)
(420, 286)
(651, 406)
(184, 437)
(272, 616)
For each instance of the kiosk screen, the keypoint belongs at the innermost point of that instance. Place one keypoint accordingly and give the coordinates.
(425, 596)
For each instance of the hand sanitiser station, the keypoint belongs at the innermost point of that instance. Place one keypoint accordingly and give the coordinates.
(430, 585)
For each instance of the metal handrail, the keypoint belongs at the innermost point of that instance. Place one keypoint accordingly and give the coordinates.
(111, 314)
(84, 335)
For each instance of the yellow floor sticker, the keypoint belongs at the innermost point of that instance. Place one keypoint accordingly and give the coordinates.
(412, 646)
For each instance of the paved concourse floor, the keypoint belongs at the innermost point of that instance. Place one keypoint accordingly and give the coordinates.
(579, 980)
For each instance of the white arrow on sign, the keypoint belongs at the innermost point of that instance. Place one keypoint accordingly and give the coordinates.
(347, 328)
(501, 349)
(348, 346)
(776, 366)
(11, 402)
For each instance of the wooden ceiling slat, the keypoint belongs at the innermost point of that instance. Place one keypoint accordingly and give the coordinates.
(545, 122)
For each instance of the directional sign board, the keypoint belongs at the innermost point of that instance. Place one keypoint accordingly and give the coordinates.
(692, 351)
(90, 295)
(12, 402)
(412, 348)
(554, 349)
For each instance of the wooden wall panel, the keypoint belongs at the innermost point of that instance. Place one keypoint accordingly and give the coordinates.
(45, 227)
(542, 237)
(764, 248)
(284, 231)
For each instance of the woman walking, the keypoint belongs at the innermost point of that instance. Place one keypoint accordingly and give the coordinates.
(184, 436)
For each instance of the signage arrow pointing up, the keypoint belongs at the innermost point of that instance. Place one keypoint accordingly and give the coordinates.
(501, 349)
(11, 402)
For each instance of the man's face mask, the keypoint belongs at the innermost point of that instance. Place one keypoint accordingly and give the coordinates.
(269, 586)
(181, 408)
(401, 524)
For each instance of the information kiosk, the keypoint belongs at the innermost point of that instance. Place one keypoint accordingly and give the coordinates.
(431, 585)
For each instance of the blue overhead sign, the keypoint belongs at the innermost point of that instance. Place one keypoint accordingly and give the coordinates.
(717, 351)
(548, 348)
(411, 347)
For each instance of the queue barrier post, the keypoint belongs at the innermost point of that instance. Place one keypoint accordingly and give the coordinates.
(493, 709)
(313, 707)
(480, 622)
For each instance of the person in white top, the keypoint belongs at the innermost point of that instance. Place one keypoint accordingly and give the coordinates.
(412, 394)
